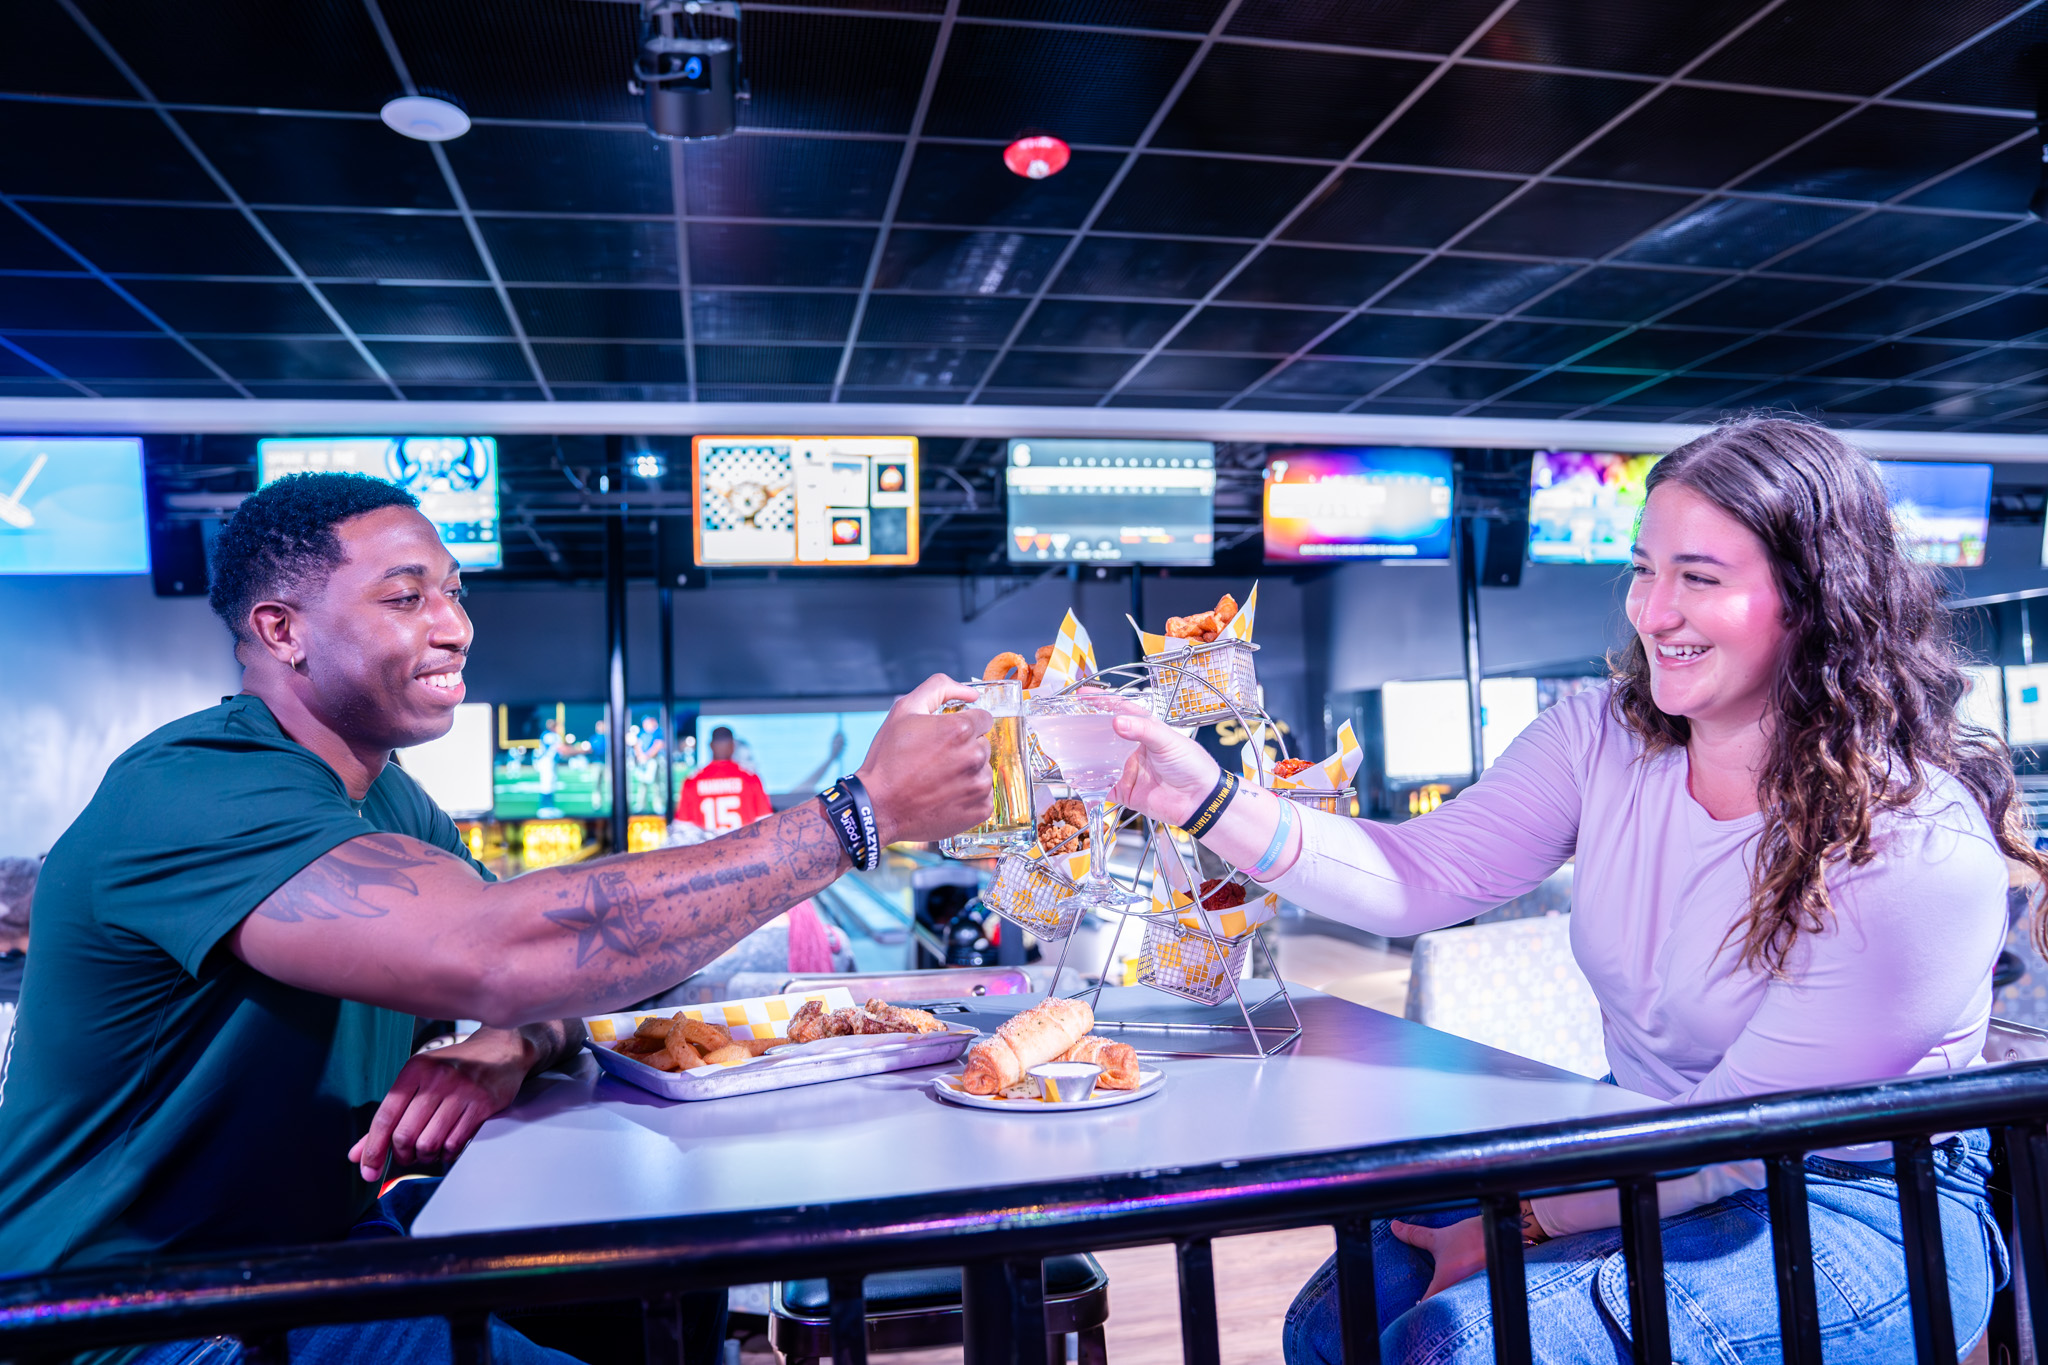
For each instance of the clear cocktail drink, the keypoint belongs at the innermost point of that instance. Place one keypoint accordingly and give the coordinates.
(1087, 748)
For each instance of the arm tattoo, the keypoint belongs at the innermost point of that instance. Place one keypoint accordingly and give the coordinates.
(335, 885)
(659, 916)
(611, 916)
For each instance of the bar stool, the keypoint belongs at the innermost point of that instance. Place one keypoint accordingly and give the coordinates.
(912, 1309)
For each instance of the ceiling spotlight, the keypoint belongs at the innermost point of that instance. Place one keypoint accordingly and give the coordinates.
(691, 80)
(1035, 158)
(649, 466)
(426, 117)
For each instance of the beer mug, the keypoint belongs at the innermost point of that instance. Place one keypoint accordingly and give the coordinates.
(1010, 824)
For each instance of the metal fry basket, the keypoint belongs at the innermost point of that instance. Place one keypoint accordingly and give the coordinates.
(1028, 892)
(1188, 963)
(1336, 802)
(1208, 683)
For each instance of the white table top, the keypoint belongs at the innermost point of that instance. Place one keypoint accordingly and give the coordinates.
(578, 1147)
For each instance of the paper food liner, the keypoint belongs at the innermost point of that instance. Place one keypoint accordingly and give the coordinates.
(765, 1016)
(1240, 628)
(1228, 924)
(1073, 657)
(1334, 773)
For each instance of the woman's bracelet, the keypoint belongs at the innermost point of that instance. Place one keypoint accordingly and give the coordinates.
(1213, 805)
(1278, 847)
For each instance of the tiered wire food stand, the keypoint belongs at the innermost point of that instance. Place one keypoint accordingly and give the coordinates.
(1197, 962)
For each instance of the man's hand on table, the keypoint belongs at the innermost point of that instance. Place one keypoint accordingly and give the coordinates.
(442, 1097)
(927, 773)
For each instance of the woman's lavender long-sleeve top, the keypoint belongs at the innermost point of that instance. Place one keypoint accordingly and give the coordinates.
(1898, 983)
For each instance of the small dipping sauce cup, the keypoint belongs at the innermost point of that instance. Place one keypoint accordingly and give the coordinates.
(1066, 1082)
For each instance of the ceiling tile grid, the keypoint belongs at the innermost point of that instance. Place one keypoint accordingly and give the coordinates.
(1560, 207)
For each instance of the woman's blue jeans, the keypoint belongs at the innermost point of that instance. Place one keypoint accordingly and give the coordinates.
(1719, 1276)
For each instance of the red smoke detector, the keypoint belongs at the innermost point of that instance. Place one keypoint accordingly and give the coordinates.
(1035, 158)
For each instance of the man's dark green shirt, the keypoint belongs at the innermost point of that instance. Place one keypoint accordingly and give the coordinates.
(161, 1095)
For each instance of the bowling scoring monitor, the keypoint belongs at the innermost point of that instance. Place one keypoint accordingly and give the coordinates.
(805, 500)
(1129, 502)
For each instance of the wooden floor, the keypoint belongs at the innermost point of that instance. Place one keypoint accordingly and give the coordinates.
(1256, 1278)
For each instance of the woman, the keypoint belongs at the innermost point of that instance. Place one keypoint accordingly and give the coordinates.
(1789, 875)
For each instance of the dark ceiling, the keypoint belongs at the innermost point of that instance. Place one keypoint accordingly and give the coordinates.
(1630, 209)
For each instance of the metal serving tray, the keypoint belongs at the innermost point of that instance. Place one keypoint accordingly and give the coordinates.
(828, 1059)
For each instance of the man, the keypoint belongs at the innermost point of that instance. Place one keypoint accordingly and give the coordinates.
(231, 941)
(722, 795)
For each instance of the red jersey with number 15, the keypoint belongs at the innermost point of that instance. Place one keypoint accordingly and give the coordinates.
(722, 796)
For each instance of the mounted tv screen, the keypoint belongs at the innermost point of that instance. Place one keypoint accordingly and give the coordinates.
(1583, 505)
(1327, 503)
(805, 500)
(1943, 511)
(1427, 732)
(72, 505)
(1134, 502)
(454, 477)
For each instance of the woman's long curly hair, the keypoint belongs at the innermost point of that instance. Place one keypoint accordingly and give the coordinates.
(1866, 701)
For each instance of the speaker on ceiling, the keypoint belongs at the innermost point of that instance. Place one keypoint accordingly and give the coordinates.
(675, 563)
(177, 557)
(1503, 544)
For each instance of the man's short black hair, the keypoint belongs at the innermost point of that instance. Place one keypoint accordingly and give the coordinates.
(720, 733)
(281, 539)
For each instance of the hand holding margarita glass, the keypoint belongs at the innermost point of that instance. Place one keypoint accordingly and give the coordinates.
(1077, 731)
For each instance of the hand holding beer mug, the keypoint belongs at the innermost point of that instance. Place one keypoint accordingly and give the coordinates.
(1009, 826)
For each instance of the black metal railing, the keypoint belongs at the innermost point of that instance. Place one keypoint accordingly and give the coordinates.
(1000, 1236)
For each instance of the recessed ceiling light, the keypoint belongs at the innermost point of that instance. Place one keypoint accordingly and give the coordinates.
(425, 118)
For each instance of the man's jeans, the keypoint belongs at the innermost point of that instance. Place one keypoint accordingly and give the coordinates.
(1718, 1272)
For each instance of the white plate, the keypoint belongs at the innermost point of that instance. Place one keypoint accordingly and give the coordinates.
(1150, 1082)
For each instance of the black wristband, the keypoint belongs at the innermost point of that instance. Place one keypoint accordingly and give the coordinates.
(871, 838)
(844, 817)
(1213, 805)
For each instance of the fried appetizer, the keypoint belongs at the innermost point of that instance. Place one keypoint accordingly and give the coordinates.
(655, 1027)
(757, 1046)
(905, 1020)
(807, 1025)
(1032, 1038)
(1038, 667)
(1203, 626)
(638, 1045)
(706, 1038)
(842, 1023)
(732, 1054)
(1221, 894)
(1008, 664)
(1291, 767)
(1119, 1061)
(685, 1057)
(1064, 826)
